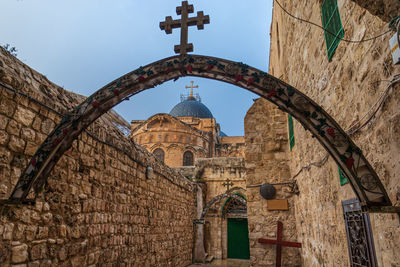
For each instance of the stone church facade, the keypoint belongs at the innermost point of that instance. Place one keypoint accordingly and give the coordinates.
(187, 133)
(190, 140)
(112, 202)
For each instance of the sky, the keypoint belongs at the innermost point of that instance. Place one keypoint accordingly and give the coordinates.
(83, 45)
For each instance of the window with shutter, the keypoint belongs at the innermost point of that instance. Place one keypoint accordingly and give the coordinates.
(342, 177)
(332, 26)
(291, 132)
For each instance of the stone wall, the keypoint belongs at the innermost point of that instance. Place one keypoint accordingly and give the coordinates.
(346, 87)
(100, 205)
(230, 146)
(266, 162)
(384, 9)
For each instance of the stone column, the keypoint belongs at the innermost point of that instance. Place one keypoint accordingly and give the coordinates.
(199, 251)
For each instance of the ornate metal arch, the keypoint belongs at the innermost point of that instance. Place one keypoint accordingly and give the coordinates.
(225, 206)
(362, 177)
(218, 198)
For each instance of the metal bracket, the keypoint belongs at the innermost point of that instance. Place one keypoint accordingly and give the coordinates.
(198, 221)
(382, 209)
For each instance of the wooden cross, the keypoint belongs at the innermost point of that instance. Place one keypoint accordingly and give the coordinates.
(184, 24)
(191, 87)
(279, 243)
(227, 183)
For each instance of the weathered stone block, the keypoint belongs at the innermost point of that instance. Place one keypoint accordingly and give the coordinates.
(30, 232)
(34, 264)
(43, 232)
(39, 251)
(19, 231)
(13, 127)
(24, 116)
(3, 137)
(8, 230)
(30, 149)
(3, 122)
(16, 144)
(7, 107)
(63, 230)
(19, 253)
(47, 126)
(78, 261)
(28, 134)
(37, 123)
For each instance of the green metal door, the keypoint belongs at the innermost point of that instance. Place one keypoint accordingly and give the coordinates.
(238, 239)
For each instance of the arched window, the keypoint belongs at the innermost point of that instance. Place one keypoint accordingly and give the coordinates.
(188, 158)
(159, 153)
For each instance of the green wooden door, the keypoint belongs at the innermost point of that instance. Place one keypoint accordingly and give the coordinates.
(238, 239)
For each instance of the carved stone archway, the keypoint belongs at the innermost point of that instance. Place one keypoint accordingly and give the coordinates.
(362, 177)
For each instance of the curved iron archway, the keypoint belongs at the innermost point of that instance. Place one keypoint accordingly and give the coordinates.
(362, 177)
(230, 194)
(225, 206)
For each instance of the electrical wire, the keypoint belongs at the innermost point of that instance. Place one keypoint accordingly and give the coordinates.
(350, 131)
(327, 31)
(381, 100)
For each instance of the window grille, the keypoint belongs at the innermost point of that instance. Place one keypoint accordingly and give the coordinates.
(332, 26)
(291, 132)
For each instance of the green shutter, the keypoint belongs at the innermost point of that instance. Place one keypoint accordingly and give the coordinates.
(291, 132)
(342, 177)
(333, 26)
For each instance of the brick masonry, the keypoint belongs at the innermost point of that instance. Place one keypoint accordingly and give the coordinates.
(346, 87)
(98, 208)
(267, 162)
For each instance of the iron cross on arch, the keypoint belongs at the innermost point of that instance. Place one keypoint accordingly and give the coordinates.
(184, 24)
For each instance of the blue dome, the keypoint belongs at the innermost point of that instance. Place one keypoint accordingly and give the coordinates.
(191, 108)
(222, 134)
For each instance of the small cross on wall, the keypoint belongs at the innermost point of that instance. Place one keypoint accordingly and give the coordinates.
(228, 184)
(184, 24)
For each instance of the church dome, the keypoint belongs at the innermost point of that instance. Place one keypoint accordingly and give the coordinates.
(222, 134)
(191, 108)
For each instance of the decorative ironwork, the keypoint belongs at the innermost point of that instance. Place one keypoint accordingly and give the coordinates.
(346, 154)
(184, 24)
(218, 198)
(234, 205)
(267, 191)
(359, 235)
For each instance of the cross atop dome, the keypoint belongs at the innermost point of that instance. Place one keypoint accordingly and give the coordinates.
(183, 48)
(191, 86)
